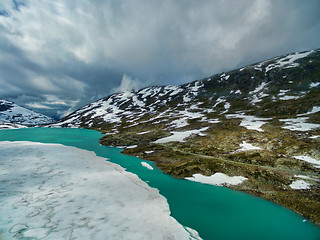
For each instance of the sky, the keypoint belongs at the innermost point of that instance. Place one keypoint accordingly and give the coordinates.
(58, 55)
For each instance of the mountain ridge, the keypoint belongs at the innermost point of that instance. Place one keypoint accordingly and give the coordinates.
(14, 116)
(170, 92)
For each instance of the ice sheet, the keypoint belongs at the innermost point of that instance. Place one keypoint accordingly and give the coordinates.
(50, 191)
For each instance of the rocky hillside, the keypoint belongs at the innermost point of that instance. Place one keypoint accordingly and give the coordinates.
(261, 122)
(13, 116)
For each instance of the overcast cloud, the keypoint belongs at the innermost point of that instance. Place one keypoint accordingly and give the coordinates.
(56, 56)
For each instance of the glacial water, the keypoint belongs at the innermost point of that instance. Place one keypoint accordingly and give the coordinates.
(215, 212)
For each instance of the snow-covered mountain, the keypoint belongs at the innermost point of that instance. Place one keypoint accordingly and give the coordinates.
(13, 115)
(280, 87)
(260, 124)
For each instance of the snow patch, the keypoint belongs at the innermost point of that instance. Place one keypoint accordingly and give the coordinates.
(315, 136)
(218, 101)
(224, 77)
(315, 109)
(148, 152)
(217, 179)
(186, 99)
(287, 61)
(141, 133)
(259, 88)
(300, 185)
(179, 123)
(258, 93)
(176, 90)
(180, 136)
(299, 124)
(285, 98)
(250, 122)
(133, 146)
(306, 177)
(309, 160)
(147, 165)
(314, 84)
(247, 147)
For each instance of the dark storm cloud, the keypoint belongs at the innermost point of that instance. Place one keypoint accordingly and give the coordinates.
(56, 56)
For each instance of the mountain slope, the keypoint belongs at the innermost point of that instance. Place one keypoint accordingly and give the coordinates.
(261, 122)
(269, 89)
(12, 115)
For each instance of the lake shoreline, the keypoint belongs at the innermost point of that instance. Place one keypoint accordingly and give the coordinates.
(295, 200)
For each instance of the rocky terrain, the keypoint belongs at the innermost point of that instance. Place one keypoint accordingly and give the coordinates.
(261, 122)
(15, 116)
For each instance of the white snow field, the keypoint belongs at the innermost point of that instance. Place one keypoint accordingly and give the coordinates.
(51, 191)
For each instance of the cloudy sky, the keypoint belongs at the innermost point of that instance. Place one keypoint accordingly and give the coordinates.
(58, 55)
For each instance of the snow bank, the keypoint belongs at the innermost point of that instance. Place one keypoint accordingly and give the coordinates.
(50, 191)
(148, 152)
(285, 98)
(247, 147)
(315, 109)
(180, 136)
(314, 137)
(309, 160)
(218, 179)
(306, 177)
(300, 185)
(314, 84)
(131, 147)
(141, 133)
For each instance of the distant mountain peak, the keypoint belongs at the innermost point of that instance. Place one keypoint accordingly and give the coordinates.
(11, 113)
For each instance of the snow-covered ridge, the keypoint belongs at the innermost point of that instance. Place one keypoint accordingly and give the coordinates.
(206, 101)
(15, 114)
(130, 106)
(47, 197)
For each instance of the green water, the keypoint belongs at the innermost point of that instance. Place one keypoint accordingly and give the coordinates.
(215, 212)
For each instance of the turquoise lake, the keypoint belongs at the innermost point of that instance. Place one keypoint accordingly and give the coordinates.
(215, 212)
